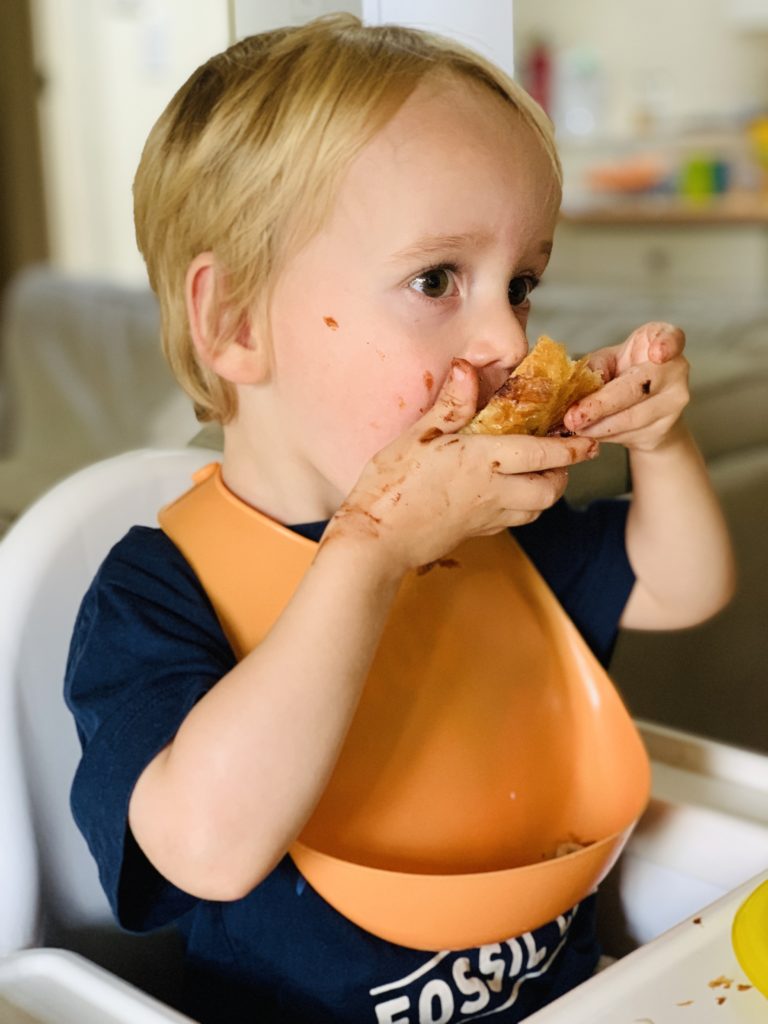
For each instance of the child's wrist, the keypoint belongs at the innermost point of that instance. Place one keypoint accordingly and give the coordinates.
(362, 538)
(678, 437)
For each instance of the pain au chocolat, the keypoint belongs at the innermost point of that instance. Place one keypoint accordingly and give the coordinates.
(535, 398)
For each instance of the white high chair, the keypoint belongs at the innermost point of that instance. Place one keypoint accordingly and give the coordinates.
(48, 881)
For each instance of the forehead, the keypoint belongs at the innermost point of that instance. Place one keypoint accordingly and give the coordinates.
(454, 152)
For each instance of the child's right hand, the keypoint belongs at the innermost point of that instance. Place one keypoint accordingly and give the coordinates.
(432, 487)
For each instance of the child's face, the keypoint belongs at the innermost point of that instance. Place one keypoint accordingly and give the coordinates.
(442, 225)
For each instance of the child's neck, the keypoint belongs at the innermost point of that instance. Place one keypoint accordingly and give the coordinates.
(268, 478)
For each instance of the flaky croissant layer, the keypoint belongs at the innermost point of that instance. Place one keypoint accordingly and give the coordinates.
(536, 397)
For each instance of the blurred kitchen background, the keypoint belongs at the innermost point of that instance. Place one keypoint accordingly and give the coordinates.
(661, 112)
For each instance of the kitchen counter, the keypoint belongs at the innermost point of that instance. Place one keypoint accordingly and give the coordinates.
(730, 208)
(663, 246)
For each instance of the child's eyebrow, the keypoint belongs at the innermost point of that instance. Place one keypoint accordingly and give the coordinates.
(435, 246)
(441, 245)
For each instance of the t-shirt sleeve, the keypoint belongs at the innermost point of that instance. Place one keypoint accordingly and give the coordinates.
(582, 555)
(146, 647)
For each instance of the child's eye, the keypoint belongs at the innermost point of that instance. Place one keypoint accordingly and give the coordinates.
(520, 288)
(436, 283)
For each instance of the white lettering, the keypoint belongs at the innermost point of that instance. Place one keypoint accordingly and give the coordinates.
(491, 962)
(385, 1012)
(435, 991)
(517, 958)
(535, 956)
(470, 986)
(565, 920)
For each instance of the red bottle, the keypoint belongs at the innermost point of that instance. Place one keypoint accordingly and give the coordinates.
(539, 74)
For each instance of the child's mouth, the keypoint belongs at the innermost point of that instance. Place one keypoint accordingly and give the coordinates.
(488, 385)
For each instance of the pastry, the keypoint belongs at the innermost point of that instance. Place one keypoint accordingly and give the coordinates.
(536, 397)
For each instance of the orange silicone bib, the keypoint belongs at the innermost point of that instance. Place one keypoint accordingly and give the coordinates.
(487, 737)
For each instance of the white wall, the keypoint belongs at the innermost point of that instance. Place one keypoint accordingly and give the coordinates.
(483, 25)
(687, 57)
(110, 67)
(253, 16)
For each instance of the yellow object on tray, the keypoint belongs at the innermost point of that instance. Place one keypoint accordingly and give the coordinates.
(750, 937)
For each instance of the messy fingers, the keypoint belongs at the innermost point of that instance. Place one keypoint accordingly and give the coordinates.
(656, 342)
(666, 342)
(633, 387)
(637, 386)
(454, 406)
(532, 492)
(627, 421)
(520, 453)
(605, 362)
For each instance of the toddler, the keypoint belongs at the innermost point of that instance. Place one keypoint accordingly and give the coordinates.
(344, 226)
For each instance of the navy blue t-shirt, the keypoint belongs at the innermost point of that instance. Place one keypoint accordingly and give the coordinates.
(146, 646)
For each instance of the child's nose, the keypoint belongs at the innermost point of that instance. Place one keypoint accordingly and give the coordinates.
(497, 340)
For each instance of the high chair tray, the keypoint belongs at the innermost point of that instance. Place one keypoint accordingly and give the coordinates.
(689, 975)
(53, 986)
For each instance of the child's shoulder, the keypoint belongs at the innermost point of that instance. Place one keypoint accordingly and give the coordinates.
(145, 597)
(146, 551)
(146, 568)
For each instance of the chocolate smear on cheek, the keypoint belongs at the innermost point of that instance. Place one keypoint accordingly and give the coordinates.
(645, 387)
(429, 380)
(330, 322)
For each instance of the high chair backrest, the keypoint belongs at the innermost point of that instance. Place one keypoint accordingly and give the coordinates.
(47, 561)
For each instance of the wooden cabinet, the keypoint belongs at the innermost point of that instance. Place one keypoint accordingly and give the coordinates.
(664, 249)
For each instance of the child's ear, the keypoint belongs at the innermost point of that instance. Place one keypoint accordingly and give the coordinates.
(242, 360)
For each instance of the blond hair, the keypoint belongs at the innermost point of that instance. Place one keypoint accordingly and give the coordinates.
(246, 158)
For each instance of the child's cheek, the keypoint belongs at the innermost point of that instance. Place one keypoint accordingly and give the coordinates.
(378, 417)
(410, 398)
(371, 418)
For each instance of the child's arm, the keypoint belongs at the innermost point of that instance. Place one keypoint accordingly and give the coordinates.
(677, 539)
(220, 805)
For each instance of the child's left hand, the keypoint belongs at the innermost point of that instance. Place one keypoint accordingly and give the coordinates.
(645, 390)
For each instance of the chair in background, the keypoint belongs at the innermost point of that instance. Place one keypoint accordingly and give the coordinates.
(82, 378)
(49, 889)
